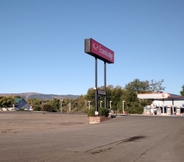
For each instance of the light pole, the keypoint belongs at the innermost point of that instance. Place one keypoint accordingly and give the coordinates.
(89, 104)
(43, 107)
(101, 103)
(69, 107)
(96, 94)
(61, 102)
(110, 105)
(123, 106)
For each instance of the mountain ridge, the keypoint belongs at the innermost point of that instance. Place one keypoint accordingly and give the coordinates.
(29, 95)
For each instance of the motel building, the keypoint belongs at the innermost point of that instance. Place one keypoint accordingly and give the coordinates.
(163, 104)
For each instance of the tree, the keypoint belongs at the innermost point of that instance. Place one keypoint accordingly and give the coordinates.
(49, 108)
(182, 91)
(132, 103)
(55, 103)
(138, 86)
(156, 86)
(7, 101)
(34, 101)
(65, 103)
(90, 96)
(131, 100)
(79, 104)
(145, 86)
(116, 97)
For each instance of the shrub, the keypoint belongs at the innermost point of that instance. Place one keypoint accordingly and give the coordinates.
(37, 108)
(49, 108)
(103, 112)
(21, 110)
(91, 112)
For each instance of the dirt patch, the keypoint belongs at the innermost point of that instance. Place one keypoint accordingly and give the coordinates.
(30, 122)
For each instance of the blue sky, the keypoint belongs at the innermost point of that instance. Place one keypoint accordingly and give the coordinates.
(42, 44)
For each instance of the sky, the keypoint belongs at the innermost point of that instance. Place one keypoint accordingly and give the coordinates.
(42, 44)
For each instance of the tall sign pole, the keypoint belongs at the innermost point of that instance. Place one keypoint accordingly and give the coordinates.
(105, 84)
(96, 85)
(103, 53)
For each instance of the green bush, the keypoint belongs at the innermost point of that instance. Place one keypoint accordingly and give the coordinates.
(103, 111)
(37, 108)
(91, 112)
(21, 110)
(49, 108)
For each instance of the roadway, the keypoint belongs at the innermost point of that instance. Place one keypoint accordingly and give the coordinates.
(124, 138)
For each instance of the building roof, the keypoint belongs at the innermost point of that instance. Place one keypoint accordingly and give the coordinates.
(17, 100)
(168, 96)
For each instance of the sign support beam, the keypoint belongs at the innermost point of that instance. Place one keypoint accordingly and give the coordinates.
(96, 85)
(103, 53)
(105, 84)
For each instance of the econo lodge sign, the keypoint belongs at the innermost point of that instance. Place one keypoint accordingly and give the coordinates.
(96, 49)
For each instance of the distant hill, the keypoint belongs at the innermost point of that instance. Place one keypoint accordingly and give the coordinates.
(30, 95)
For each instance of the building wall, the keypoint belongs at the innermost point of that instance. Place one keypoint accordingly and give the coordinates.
(177, 103)
(22, 105)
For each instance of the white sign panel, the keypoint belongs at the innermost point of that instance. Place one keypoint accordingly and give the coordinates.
(153, 95)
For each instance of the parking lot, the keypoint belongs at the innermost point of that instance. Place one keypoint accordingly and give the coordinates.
(69, 137)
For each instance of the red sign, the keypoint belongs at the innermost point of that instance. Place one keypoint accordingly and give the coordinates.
(96, 49)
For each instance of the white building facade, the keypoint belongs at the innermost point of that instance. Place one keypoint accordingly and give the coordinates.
(163, 104)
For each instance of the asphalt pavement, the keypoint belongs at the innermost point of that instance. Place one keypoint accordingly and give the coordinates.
(124, 138)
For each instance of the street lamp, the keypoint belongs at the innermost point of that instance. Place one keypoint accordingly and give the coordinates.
(89, 104)
(43, 107)
(123, 106)
(96, 96)
(61, 104)
(69, 107)
(101, 103)
(110, 105)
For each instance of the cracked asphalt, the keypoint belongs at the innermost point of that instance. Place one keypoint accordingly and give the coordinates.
(124, 138)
